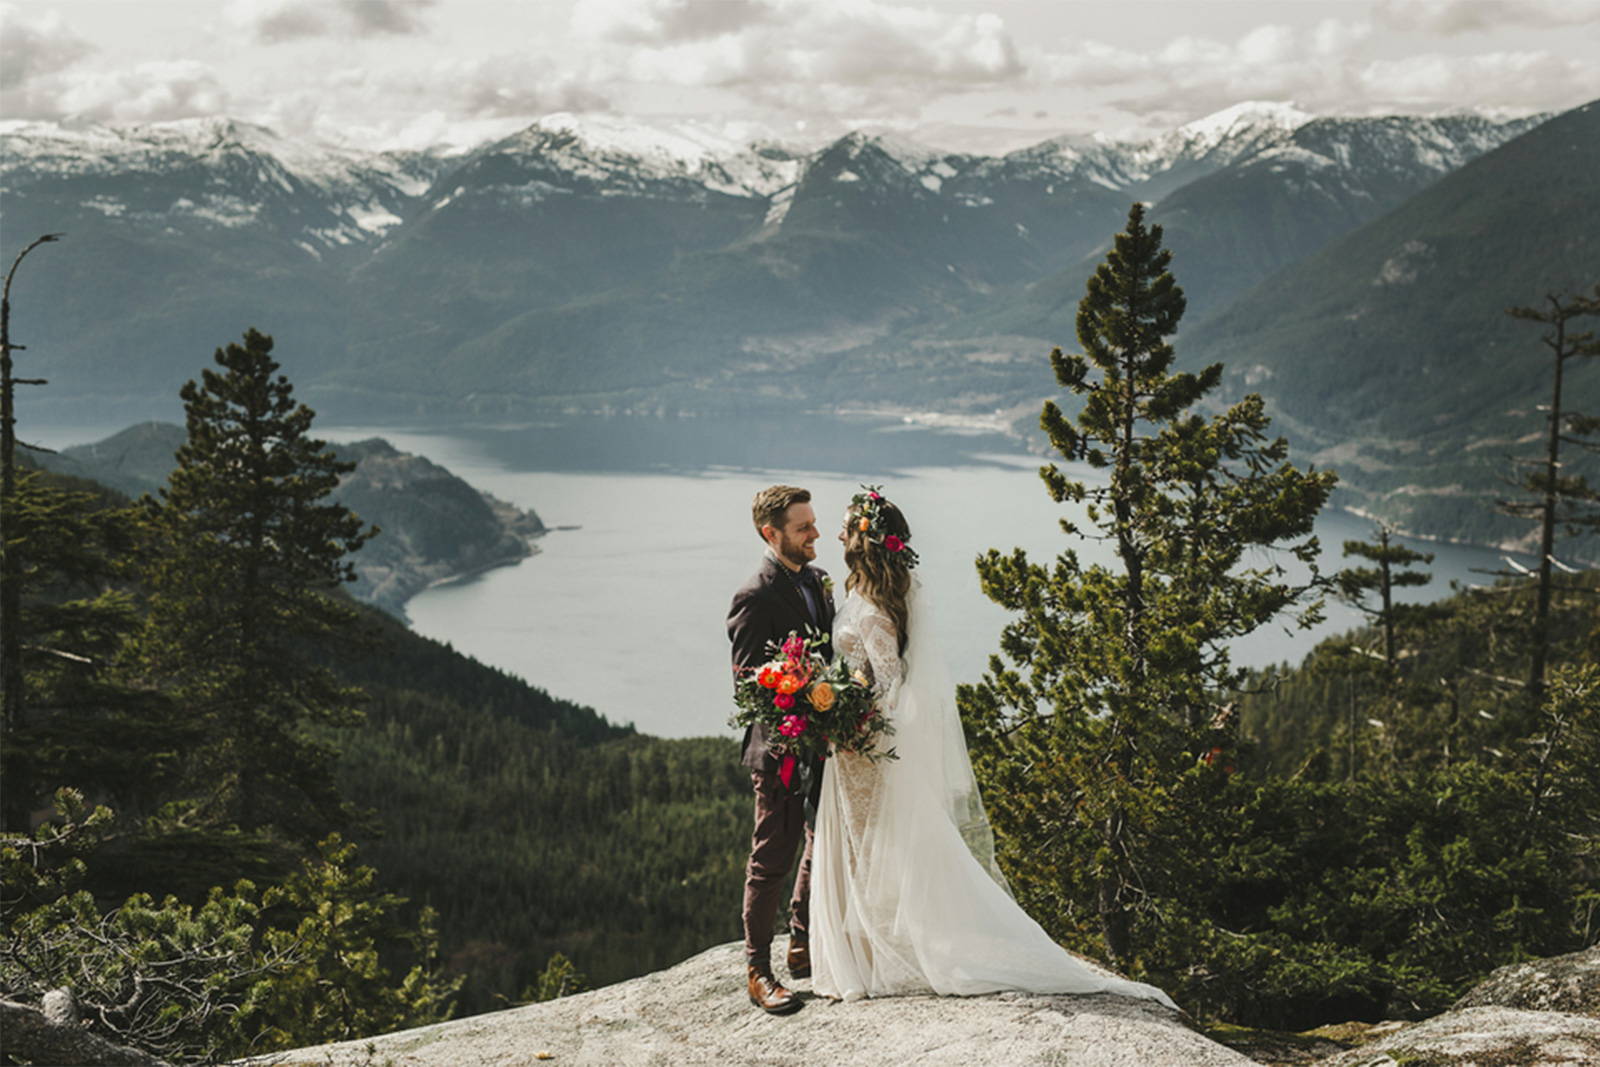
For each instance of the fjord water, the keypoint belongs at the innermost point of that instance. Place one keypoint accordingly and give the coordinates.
(623, 607)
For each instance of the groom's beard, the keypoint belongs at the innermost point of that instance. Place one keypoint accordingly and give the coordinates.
(796, 554)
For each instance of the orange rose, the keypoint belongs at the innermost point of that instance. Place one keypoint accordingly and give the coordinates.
(821, 696)
(788, 684)
(864, 525)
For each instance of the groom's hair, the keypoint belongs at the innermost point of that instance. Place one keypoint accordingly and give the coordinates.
(770, 504)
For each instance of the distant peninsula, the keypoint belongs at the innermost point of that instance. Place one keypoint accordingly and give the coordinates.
(435, 527)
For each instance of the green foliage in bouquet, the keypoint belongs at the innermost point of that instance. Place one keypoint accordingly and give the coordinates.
(812, 704)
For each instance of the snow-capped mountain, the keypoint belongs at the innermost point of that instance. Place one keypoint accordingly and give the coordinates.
(214, 173)
(1390, 347)
(1151, 167)
(538, 257)
(1264, 188)
(616, 157)
(232, 174)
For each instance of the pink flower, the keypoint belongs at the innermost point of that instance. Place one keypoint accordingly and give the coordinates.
(783, 700)
(893, 543)
(793, 725)
(874, 496)
(794, 648)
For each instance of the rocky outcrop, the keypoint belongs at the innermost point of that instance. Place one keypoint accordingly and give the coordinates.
(53, 1034)
(1483, 1037)
(1527, 1014)
(698, 1013)
(1569, 983)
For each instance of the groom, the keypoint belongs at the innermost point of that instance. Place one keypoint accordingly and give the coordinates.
(786, 593)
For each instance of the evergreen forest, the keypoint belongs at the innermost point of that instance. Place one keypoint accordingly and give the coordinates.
(311, 824)
(1364, 836)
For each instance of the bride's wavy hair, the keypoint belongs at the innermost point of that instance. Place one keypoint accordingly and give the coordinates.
(878, 573)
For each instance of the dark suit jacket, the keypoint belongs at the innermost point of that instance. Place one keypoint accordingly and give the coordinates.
(764, 609)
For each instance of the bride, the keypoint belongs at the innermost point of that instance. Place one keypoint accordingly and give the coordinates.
(905, 893)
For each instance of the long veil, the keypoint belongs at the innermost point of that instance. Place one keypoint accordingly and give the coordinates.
(906, 895)
(928, 734)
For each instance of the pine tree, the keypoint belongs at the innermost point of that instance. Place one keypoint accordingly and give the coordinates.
(246, 552)
(84, 727)
(1356, 584)
(1555, 497)
(1117, 667)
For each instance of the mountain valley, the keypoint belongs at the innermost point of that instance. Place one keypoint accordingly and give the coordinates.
(592, 264)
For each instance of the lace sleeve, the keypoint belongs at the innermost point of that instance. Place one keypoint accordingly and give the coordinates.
(882, 644)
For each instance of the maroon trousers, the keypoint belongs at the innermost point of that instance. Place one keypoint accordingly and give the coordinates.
(780, 827)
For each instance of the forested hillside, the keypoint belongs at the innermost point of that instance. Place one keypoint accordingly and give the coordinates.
(535, 826)
(1423, 802)
(208, 744)
(1390, 349)
(1455, 694)
(436, 526)
(1337, 265)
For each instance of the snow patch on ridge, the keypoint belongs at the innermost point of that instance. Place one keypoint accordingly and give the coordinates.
(250, 160)
(605, 148)
(1250, 116)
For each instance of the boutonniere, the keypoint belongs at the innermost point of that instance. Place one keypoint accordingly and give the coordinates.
(827, 587)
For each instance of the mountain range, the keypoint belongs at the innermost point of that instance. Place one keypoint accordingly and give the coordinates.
(596, 264)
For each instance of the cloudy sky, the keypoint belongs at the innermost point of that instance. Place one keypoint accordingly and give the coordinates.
(954, 73)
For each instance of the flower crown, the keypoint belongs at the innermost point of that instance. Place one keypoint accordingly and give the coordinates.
(867, 507)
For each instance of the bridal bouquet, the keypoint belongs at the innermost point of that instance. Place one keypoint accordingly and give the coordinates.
(812, 705)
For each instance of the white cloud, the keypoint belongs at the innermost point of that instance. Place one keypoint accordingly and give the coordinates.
(1266, 44)
(448, 100)
(146, 92)
(1334, 37)
(1093, 64)
(1450, 17)
(335, 67)
(1326, 67)
(277, 21)
(864, 56)
(507, 86)
(35, 45)
(379, 17)
(40, 78)
(1495, 79)
(1192, 75)
(665, 22)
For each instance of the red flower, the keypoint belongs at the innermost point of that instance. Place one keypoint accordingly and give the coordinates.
(784, 701)
(893, 543)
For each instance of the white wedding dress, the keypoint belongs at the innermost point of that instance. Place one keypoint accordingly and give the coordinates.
(905, 893)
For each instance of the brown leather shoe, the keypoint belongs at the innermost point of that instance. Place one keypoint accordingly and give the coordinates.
(768, 995)
(798, 959)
